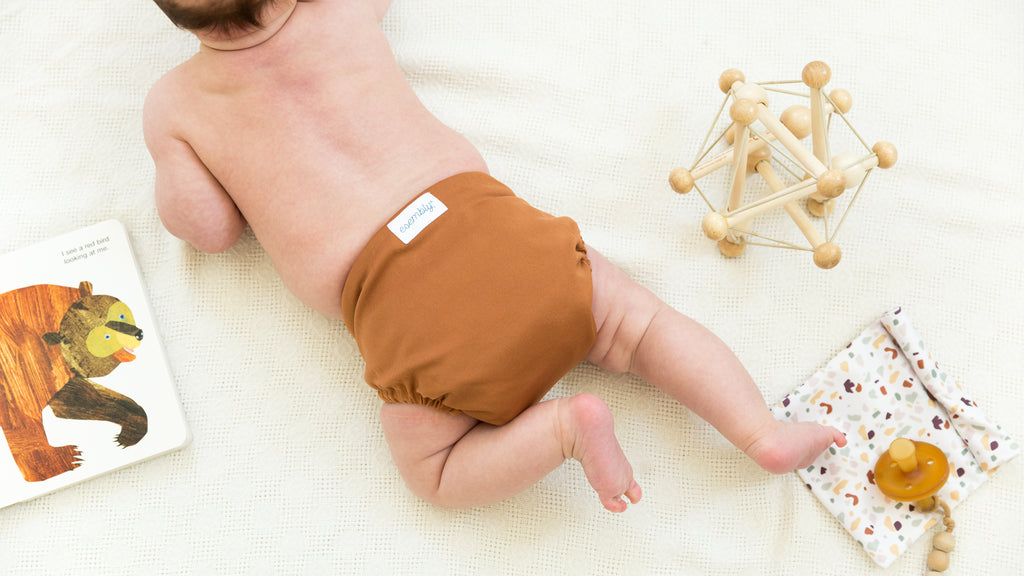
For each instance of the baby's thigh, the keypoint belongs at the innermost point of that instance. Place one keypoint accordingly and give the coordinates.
(420, 439)
(414, 431)
(622, 309)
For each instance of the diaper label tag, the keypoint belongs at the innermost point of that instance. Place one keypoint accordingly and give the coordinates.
(417, 216)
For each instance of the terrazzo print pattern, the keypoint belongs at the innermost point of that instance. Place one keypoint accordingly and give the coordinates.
(886, 385)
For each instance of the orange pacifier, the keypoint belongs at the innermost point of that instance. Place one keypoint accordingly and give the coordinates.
(912, 471)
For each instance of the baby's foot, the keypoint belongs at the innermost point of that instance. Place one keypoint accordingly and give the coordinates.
(788, 446)
(589, 437)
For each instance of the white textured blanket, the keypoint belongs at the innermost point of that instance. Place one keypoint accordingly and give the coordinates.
(583, 108)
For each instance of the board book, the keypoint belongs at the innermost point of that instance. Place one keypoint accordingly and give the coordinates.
(85, 387)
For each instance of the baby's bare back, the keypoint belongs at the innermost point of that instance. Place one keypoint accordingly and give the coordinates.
(317, 138)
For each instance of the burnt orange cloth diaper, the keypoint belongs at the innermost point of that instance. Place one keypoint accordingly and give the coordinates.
(471, 301)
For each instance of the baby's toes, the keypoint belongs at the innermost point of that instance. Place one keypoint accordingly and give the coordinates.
(619, 502)
(616, 504)
(634, 493)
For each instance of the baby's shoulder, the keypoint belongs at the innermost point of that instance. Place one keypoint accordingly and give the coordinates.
(167, 86)
(167, 94)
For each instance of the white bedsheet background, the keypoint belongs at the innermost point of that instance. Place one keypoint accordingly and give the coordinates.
(583, 108)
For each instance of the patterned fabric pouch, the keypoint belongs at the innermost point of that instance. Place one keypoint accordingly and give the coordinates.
(886, 385)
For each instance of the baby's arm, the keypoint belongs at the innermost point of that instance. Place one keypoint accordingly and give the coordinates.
(191, 202)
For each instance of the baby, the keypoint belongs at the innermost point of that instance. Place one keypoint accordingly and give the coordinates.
(467, 304)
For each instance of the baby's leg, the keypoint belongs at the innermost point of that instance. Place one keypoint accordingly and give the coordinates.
(458, 462)
(639, 333)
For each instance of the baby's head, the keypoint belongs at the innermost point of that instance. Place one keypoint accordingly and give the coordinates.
(224, 20)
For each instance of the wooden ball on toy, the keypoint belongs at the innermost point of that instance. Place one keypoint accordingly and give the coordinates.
(819, 209)
(743, 111)
(797, 119)
(851, 167)
(762, 154)
(728, 78)
(944, 541)
(886, 153)
(681, 180)
(715, 226)
(938, 560)
(731, 249)
(831, 183)
(816, 74)
(752, 92)
(827, 256)
(841, 99)
(730, 134)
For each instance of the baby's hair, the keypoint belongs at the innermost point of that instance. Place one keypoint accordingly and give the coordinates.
(226, 16)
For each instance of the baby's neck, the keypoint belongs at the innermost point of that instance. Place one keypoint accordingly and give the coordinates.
(276, 18)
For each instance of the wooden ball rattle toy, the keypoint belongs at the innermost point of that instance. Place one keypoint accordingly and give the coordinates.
(815, 175)
(913, 471)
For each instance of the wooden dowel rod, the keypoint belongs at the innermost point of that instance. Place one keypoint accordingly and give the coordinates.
(739, 169)
(816, 75)
(819, 139)
(808, 160)
(800, 218)
(794, 192)
(725, 157)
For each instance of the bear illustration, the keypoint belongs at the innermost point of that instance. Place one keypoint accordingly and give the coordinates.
(53, 339)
